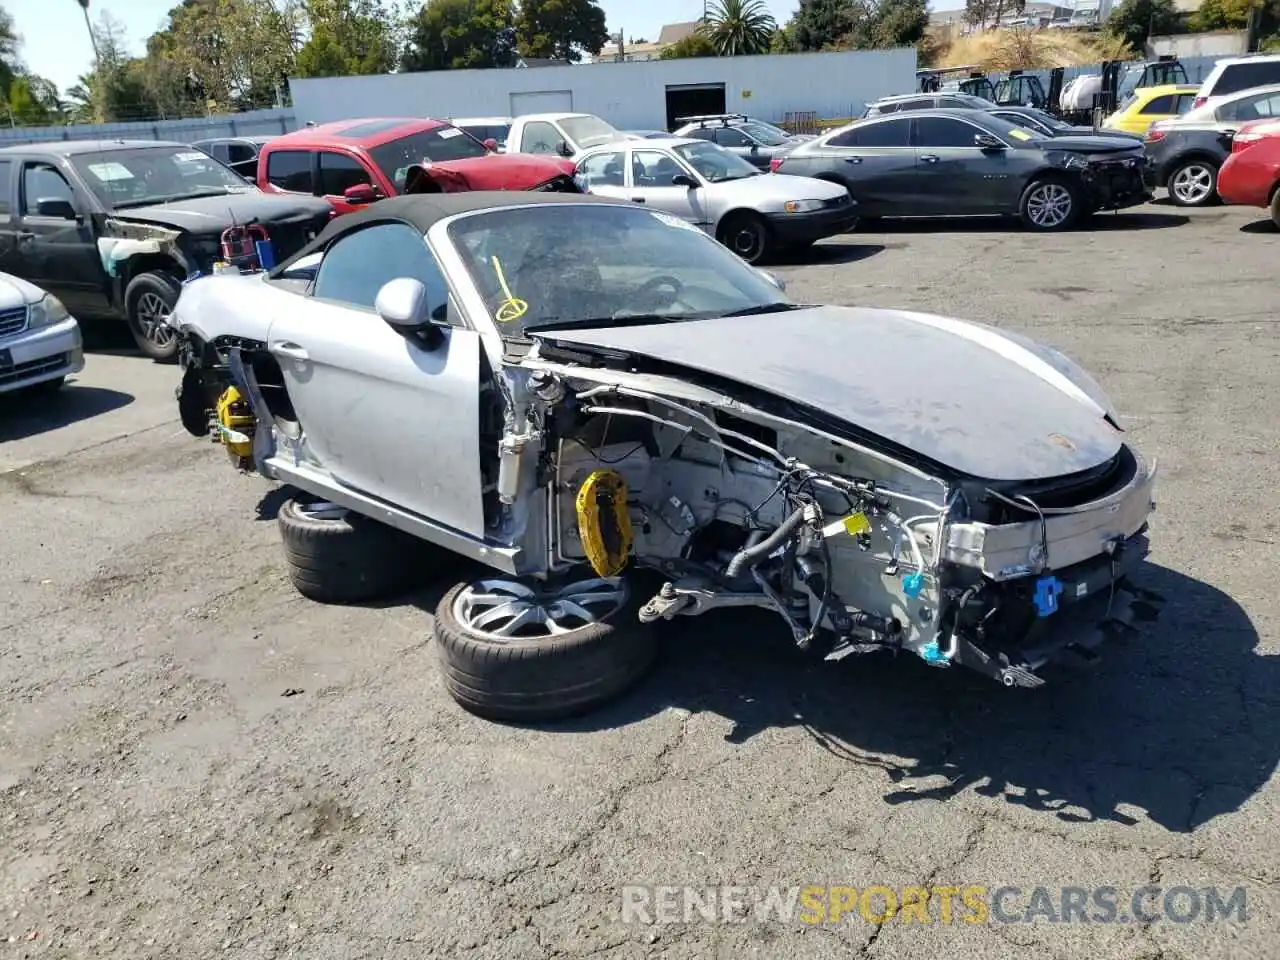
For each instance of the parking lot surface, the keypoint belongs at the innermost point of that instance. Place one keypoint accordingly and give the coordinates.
(196, 762)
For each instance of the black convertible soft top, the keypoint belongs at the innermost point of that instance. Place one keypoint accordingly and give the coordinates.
(422, 210)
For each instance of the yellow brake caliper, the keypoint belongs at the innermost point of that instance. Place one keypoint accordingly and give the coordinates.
(235, 426)
(603, 522)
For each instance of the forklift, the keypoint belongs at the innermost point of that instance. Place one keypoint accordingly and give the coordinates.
(1021, 90)
(1118, 80)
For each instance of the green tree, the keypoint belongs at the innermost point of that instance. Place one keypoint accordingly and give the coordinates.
(1134, 20)
(819, 24)
(238, 53)
(25, 108)
(696, 44)
(1230, 14)
(10, 42)
(461, 34)
(348, 37)
(560, 29)
(978, 12)
(739, 27)
(896, 23)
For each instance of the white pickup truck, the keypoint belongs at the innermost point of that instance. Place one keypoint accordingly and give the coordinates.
(560, 134)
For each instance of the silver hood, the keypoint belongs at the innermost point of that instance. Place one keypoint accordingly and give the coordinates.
(963, 395)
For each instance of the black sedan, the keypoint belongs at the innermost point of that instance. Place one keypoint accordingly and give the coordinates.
(946, 163)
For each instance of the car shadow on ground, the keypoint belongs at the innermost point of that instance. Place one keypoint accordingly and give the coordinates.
(109, 337)
(849, 251)
(1181, 721)
(1260, 226)
(1121, 220)
(25, 413)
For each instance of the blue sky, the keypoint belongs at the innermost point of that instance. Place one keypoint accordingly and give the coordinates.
(56, 45)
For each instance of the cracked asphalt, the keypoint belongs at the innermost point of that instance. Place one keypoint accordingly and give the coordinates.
(161, 796)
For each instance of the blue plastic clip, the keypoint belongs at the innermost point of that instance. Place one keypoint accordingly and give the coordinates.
(266, 254)
(912, 584)
(932, 654)
(1046, 597)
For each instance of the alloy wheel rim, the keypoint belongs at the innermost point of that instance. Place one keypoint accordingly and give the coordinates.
(1193, 183)
(1049, 205)
(152, 313)
(508, 610)
(322, 510)
(745, 241)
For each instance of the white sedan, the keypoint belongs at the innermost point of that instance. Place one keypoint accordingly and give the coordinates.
(40, 343)
(750, 212)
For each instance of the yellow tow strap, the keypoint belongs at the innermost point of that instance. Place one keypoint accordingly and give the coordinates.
(512, 308)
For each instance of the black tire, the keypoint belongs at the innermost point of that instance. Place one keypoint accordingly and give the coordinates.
(1059, 200)
(147, 297)
(1275, 207)
(539, 678)
(1193, 183)
(335, 556)
(747, 235)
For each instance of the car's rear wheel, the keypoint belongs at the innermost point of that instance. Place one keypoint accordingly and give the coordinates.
(1275, 207)
(148, 301)
(525, 651)
(747, 235)
(1051, 203)
(337, 556)
(1193, 184)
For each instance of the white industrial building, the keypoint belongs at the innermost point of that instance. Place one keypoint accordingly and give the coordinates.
(644, 95)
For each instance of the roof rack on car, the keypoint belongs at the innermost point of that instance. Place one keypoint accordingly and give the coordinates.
(709, 117)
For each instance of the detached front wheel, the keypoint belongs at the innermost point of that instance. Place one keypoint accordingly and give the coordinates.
(524, 651)
(336, 556)
(148, 301)
(1051, 204)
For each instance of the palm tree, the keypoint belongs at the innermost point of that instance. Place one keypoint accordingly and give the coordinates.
(739, 27)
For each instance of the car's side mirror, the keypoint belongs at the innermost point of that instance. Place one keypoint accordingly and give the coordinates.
(360, 193)
(987, 142)
(755, 148)
(404, 306)
(773, 279)
(491, 144)
(684, 180)
(55, 208)
(564, 149)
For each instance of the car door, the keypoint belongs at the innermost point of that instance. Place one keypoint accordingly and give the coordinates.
(8, 218)
(739, 144)
(381, 412)
(876, 161)
(291, 171)
(242, 157)
(954, 176)
(604, 173)
(542, 137)
(337, 172)
(57, 252)
(649, 174)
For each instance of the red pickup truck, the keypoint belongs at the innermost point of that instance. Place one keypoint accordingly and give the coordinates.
(352, 163)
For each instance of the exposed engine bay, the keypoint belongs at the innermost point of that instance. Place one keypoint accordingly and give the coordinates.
(855, 550)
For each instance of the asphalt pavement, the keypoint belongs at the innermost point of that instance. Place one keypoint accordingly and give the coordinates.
(196, 762)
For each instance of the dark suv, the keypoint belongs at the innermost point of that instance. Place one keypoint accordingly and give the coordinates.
(113, 228)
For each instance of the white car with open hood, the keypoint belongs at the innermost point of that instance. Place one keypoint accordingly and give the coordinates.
(582, 394)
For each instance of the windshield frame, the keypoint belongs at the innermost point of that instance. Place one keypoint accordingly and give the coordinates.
(704, 146)
(83, 162)
(768, 136)
(457, 268)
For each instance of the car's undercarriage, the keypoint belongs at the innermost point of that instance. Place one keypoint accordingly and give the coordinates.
(741, 499)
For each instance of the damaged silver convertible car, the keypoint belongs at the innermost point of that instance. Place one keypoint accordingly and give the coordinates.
(581, 395)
